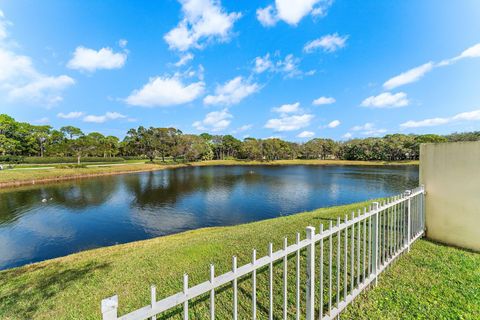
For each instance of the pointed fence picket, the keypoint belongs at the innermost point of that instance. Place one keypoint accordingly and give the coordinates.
(372, 240)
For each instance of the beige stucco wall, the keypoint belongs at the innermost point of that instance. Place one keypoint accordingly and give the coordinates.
(451, 175)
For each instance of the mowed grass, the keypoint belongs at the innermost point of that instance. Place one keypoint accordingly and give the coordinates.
(33, 173)
(431, 282)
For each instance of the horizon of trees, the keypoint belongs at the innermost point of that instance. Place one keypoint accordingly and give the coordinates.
(24, 139)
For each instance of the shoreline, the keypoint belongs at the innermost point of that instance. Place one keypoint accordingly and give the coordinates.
(21, 183)
(59, 175)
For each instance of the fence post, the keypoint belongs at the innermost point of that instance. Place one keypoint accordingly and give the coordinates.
(153, 298)
(409, 228)
(109, 308)
(254, 286)
(235, 288)
(310, 274)
(375, 242)
(212, 292)
(185, 292)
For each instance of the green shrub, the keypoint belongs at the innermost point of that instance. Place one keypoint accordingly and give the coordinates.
(135, 157)
(71, 166)
(11, 159)
(167, 161)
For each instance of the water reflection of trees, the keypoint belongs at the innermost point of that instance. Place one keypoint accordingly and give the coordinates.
(85, 194)
(148, 189)
(73, 195)
(171, 186)
(166, 188)
(391, 179)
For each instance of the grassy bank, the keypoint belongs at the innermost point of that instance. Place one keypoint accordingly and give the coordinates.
(13, 178)
(46, 173)
(432, 282)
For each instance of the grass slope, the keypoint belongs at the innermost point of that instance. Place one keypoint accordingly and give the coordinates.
(432, 282)
(35, 174)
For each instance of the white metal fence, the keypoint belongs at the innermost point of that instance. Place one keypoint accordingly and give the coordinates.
(339, 264)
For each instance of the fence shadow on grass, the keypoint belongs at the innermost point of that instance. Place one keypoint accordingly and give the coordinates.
(37, 290)
(204, 299)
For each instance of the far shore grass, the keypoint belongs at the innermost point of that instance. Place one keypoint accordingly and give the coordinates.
(431, 282)
(36, 174)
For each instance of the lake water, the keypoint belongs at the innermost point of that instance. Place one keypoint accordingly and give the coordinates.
(103, 211)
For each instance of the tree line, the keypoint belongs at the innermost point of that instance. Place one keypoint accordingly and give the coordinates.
(26, 140)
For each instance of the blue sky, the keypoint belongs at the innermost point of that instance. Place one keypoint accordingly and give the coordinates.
(290, 69)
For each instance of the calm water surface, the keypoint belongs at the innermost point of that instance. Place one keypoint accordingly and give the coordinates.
(103, 211)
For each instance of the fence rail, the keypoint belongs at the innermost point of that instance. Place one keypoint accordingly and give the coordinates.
(372, 239)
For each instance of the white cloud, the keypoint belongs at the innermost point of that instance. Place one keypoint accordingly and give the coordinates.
(368, 129)
(267, 16)
(3, 26)
(201, 72)
(468, 116)
(21, 81)
(44, 120)
(306, 134)
(203, 20)
(90, 60)
(329, 43)
(472, 52)
(464, 116)
(232, 92)
(15, 68)
(375, 132)
(70, 115)
(417, 73)
(103, 118)
(165, 91)
(366, 126)
(43, 88)
(288, 108)
(243, 128)
(386, 100)
(292, 12)
(321, 11)
(289, 123)
(184, 59)
(424, 123)
(289, 66)
(214, 121)
(190, 73)
(122, 43)
(409, 76)
(323, 100)
(333, 124)
(347, 135)
(263, 64)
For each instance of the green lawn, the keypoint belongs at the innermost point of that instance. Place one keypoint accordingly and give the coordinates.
(431, 282)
